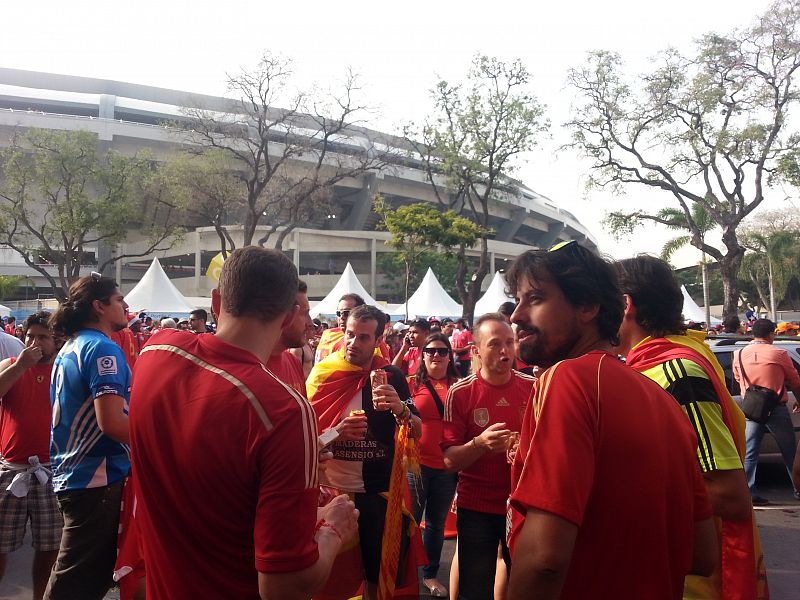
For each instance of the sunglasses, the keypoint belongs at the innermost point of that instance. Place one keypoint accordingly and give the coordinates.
(433, 351)
(342, 313)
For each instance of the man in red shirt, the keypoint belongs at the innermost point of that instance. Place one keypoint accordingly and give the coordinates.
(410, 354)
(608, 500)
(207, 422)
(25, 417)
(462, 346)
(283, 363)
(481, 414)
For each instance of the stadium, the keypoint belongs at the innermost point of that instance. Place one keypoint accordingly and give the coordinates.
(128, 117)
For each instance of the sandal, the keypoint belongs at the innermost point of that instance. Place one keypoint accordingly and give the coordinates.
(435, 589)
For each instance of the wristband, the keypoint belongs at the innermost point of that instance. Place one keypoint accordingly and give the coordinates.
(323, 523)
(475, 444)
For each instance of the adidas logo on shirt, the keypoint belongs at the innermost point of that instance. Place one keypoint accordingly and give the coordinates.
(502, 402)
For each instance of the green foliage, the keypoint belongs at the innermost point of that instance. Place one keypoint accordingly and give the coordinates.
(61, 197)
(9, 285)
(472, 143)
(709, 129)
(445, 266)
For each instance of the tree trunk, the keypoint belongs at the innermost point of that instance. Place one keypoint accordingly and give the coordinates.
(704, 270)
(772, 311)
(729, 270)
(474, 290)
(408, 281)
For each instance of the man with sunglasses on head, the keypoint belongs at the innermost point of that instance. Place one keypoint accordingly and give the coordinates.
(608, 500)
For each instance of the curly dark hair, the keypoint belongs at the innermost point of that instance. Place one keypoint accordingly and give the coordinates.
(76, 312)
(654, 291)
(584, 278)
(422, 371)
(38, 318)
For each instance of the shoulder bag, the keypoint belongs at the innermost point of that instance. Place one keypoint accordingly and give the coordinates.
(758, 401)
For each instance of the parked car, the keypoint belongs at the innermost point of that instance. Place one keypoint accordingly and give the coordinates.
(723, 348)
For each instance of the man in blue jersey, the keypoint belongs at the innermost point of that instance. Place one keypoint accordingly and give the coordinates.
(89, 453)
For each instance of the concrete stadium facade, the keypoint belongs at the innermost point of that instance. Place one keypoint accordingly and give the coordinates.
(128, 117)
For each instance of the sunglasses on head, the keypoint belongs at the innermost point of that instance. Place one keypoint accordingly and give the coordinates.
(342, 313)
(439, 351)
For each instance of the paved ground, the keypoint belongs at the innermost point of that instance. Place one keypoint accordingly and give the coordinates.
(779, 524)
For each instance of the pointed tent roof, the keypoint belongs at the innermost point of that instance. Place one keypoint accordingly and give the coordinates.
(155, 293)
(494, 296)
(693, 312)
(430, 299)
(348, 284)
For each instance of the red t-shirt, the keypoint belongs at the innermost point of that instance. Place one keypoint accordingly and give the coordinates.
(472, 405)
(461, 339)
(225, 469)
(430, 451)
(411, 361)
(26, 417)
(288, 369)
(607, 449)
(125, 339)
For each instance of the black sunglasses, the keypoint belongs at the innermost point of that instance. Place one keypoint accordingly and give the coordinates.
(342, 313)
(439, 351)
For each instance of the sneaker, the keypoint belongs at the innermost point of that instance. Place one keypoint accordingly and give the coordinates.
(760, 501)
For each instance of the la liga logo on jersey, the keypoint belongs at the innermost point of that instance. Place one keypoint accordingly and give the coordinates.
(107, 365)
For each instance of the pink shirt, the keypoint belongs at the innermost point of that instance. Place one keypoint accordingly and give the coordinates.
(766, 366)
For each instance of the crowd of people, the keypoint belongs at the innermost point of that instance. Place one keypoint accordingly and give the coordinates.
(581, 442)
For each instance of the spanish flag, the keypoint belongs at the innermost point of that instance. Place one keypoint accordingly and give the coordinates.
(742, 574)
(330, 386)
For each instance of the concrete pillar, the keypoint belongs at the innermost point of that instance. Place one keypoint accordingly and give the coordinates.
(120, 249)
(106, 106)
(198, 263)
(360, 211)
(296, 257)
(373, 256)
(549, 237)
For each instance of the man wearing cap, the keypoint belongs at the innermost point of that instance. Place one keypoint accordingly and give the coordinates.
(410, 353)
(761, 363)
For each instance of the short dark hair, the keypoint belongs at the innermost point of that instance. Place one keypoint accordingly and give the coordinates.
(420, 324)
(359, 301)
(655, 293)
(200, 314)
(302, 287)
(762, 328)
(507, 308)
(731, 323)
(258, 282)
(76, 312)
(365, 312)
(485, 318)
(12, 318)
(38, 318)
(583, 277)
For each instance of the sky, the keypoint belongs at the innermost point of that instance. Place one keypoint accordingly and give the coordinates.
(397, 49)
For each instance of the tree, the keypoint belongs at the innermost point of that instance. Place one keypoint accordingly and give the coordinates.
(419, 228)
(60, 198)
(285, 161)
(394, 269)
(675, 219)
(773, 244)
(9, 285)
(709, 129)
(470, 147)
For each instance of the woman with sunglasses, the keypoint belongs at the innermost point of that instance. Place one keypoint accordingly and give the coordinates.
(433, 491)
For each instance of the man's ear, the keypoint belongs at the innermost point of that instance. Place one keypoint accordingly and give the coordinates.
(290, 316)
(215, 302)
(587, 314)
(630, 307)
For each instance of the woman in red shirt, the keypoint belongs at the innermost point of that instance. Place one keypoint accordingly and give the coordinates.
(433, 491)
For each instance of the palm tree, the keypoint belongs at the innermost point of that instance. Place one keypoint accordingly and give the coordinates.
(774, 254)
(674, 218)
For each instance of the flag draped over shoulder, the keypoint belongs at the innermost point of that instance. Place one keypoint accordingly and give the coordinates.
(742, 572)
(330, 386)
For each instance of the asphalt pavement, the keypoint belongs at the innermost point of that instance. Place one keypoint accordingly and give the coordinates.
(778, 523)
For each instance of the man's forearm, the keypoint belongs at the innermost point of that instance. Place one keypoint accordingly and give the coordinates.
(728, 494)
(457, 458)
(301, 585)
(10, 376)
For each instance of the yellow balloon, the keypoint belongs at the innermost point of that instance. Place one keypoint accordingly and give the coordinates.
(215, 267)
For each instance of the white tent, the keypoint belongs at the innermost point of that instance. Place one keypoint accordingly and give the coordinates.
(348, 284)
(692, 312)
(4, 311)
(494, 296)
(430, 299)
(155, 293)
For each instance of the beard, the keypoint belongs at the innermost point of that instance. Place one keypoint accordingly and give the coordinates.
(541, 351)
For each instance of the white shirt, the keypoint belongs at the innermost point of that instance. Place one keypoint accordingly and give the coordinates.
(10, 347)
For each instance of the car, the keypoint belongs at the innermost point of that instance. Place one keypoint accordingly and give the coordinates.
(724, 348)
